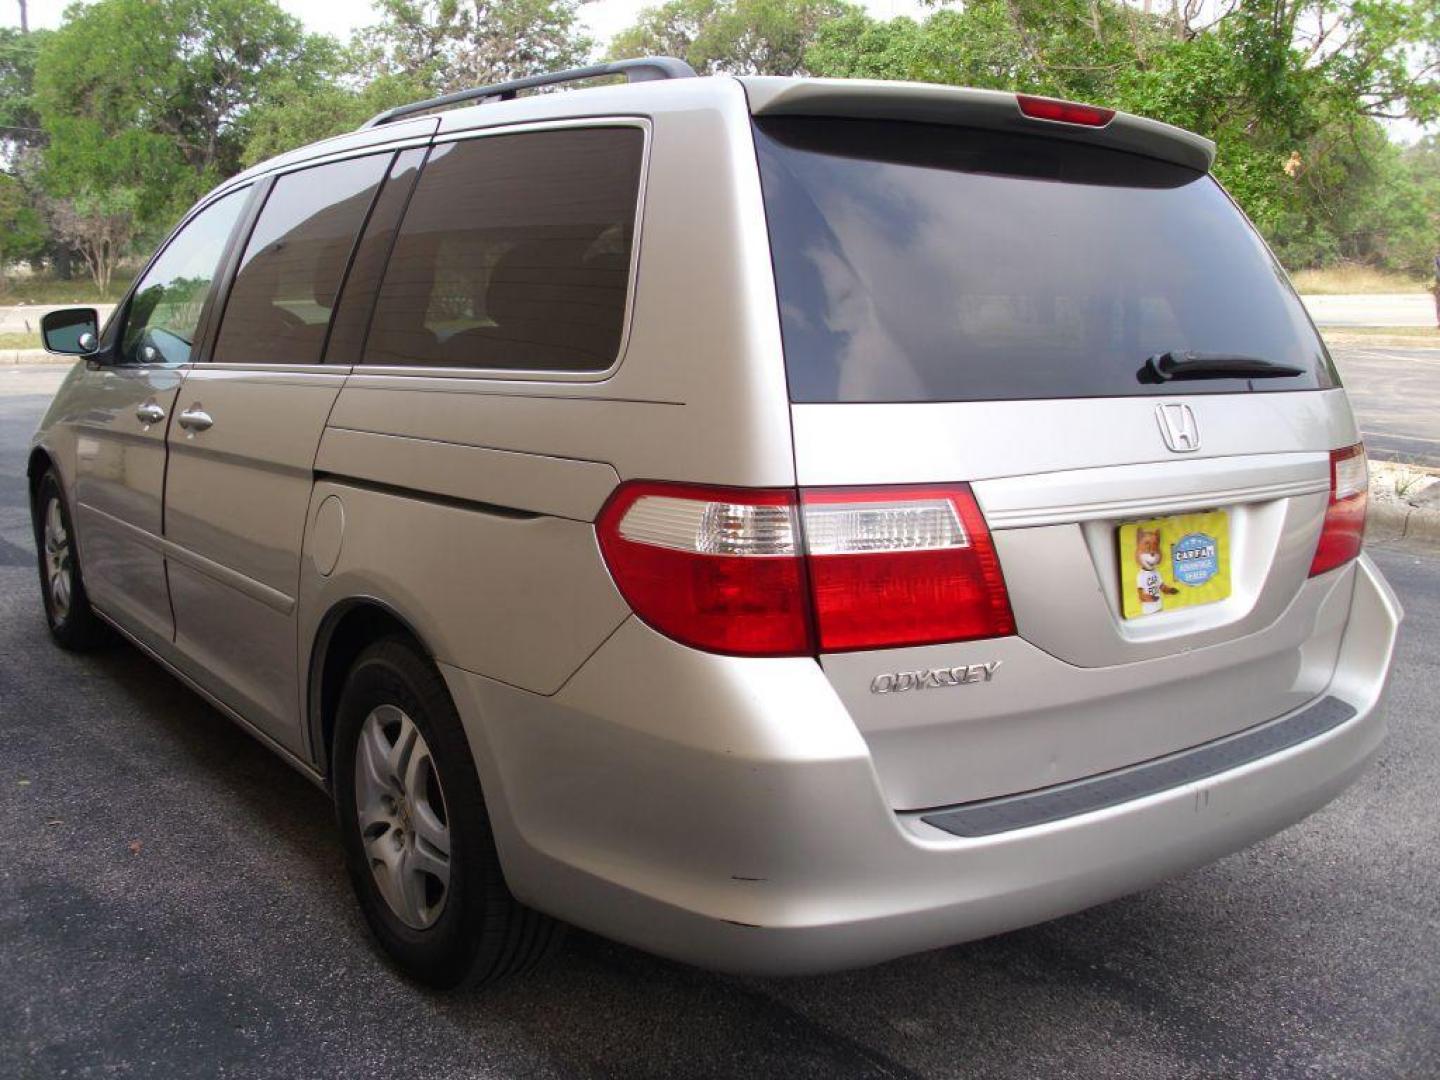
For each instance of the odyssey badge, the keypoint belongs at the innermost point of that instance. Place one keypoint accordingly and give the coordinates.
(896, 682)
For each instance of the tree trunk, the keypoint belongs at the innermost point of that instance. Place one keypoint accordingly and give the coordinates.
(24, 17)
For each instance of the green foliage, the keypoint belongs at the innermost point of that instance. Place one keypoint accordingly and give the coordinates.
(1290, 90)
(99, 225)
(145, 105)
(419, 49)
(111, 125)
(181, 70)
(448, 45)
(22, 229)
(19, 120)
(754, 37)
(289, 118)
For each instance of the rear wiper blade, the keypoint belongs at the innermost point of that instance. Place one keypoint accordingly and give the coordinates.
(1179, 366)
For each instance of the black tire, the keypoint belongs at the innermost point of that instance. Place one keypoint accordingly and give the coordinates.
(481, 933)
(73, 622)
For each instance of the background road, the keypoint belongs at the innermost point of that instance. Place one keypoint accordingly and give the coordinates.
(1373, 309)
(172, 904)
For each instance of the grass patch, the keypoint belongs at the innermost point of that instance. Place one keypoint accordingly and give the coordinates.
(20, 341)
(1350, 279)
(80, 292)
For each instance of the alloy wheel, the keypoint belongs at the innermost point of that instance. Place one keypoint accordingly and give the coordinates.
(403, 823)
(58, 566)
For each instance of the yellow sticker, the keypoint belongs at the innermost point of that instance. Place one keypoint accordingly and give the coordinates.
(1173, 562)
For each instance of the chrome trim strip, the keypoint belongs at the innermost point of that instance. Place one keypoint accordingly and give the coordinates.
(1149, 506)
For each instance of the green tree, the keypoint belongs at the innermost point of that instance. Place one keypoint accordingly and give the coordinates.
(448, 45)
(288, 118)
(419, 49)
(99, 226)
(1290, 90)
(742, 37)
(184, 72)
(22, 229)
(19, 120)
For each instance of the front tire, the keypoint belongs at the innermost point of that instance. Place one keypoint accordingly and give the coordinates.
(418, 842)
(73, 622)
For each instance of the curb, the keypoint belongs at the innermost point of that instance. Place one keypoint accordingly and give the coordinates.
(1389, 521)
(1395, 517)
(11, 357)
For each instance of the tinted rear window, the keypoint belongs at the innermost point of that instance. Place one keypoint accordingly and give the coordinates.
(931, 263)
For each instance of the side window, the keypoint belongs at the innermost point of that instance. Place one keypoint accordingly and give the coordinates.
(279, 307)
(352, 313)
(165, 309)
(514, 254)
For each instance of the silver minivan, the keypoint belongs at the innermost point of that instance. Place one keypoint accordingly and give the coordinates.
(783, 524)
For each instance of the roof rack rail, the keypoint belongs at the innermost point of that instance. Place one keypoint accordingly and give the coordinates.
(644, 69)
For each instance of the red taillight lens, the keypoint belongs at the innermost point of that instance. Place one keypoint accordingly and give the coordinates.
(1064, 112)
(722, 569)
(716, 568)
(902, 566)
(1343, 533)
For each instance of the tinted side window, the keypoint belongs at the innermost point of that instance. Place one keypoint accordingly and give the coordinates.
(165, 309)
(279, 306)
(352, 313)
(514, 254)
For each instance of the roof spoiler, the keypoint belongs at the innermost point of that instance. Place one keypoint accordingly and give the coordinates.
(997, 110)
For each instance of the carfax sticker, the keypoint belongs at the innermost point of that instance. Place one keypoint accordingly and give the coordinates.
(1174, 562)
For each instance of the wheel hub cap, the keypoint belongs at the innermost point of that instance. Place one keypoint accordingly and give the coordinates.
(403, 823)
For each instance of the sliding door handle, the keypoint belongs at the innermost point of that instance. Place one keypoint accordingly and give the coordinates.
(196, 419)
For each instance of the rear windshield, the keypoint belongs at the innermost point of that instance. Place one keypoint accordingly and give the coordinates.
(919, 262)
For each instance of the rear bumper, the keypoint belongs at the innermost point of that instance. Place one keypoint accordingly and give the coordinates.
(726, 813)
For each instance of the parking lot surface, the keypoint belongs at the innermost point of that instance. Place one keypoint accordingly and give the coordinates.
(173, 904)
(1396, 396)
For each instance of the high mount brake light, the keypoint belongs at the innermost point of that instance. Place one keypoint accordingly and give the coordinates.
(1343, 534)
(1064, 112)
(776, 573)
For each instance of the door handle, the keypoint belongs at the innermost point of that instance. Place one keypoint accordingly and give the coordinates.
(150, 413)
(196, 419)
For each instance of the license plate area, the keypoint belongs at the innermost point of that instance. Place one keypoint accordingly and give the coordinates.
(1172, 562)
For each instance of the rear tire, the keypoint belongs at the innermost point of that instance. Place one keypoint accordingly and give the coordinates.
(417, 837)
(73, 622)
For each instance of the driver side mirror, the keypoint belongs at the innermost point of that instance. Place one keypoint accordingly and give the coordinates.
(71, 331)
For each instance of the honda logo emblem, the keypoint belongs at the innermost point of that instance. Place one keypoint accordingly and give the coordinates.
(1177, 426)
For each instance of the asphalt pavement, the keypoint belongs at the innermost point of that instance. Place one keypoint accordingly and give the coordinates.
(1395, 393)
(173, 904)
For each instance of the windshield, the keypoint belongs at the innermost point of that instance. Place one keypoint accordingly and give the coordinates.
(920, 262)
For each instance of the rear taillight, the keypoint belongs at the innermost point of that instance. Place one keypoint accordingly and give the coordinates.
(716, 568)
(902, 566)
(762, 573)
(1343, 533)
(1064, 112)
